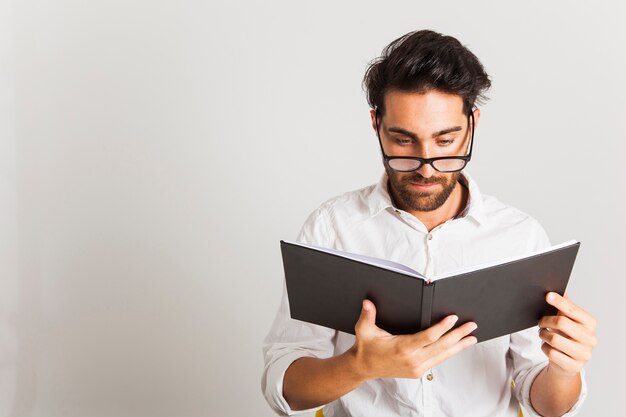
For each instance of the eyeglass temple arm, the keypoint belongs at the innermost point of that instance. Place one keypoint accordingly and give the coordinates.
(380, 143)
(472, 134)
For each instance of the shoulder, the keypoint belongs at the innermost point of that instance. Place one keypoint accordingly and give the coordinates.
(500, 211)
(350, 207)
(352, 204)
(506, 217)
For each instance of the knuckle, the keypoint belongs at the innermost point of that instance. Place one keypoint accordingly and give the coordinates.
(552, 353)
(547, 337)
(360, 333)
(429, 337)
(417, 371)
(432, 338)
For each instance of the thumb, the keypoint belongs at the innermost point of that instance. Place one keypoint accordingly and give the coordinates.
(367, 319)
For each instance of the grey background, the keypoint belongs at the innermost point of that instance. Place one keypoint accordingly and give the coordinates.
(152, 154)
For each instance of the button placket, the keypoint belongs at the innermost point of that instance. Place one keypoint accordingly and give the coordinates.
(427, 392)
(430, 250)
(429, 377)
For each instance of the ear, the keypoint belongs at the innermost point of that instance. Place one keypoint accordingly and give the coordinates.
(476, 117)
(373, 116)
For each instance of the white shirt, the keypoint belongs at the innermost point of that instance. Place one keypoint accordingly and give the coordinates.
(490, 378)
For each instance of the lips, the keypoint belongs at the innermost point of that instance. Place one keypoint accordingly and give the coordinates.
(423, 186)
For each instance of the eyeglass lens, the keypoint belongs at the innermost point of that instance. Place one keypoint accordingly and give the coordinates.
(443, 165)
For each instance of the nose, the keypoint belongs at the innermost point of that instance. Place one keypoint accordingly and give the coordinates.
(426, 170)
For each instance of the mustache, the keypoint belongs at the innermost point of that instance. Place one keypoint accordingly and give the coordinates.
(420, 179)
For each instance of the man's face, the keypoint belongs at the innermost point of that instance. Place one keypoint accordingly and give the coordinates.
(425, 125)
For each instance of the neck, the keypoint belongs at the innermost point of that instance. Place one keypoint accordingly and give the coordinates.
(453, 206)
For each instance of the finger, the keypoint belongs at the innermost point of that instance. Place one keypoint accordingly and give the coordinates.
(367, 317)
(567, 346)
(571, 310)
(452, 337)
(552, 330)
(448, 340)
(434, 332)
(366, 325)
(561, 359)
(569, 328)
(450, 350)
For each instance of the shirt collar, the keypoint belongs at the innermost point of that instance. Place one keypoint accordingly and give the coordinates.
(380, 200)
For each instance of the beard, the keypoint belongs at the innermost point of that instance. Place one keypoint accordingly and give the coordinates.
(400, 184)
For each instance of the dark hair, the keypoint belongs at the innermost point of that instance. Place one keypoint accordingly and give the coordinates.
(425, 60)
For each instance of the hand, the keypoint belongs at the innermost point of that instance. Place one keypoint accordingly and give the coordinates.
(569, 337)
(380, 354)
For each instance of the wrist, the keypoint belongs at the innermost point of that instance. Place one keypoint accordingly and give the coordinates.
(556, 372)
(356, 365)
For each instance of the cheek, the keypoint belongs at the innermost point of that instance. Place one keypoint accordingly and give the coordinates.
(449, 178)
(400, 177)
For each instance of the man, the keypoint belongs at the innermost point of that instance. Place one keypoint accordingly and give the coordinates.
(430, 215)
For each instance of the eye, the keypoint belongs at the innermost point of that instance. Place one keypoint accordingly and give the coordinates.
(445, 142)
(403, 141)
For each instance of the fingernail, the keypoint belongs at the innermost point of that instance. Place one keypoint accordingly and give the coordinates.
(474, 326)
(454, 319)
(551, 296)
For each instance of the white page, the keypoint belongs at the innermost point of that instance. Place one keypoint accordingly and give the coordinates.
(403, 269)
(383, 263)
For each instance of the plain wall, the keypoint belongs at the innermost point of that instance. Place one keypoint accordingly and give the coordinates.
(153, 153)
(8, 213)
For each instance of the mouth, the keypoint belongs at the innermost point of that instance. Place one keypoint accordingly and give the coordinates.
(423, 186)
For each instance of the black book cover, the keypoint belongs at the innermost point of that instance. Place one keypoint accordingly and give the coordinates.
(327, 289)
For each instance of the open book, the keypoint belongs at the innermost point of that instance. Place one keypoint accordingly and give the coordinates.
(327, 286)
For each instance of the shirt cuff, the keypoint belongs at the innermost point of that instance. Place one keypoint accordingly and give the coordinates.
(528, 409)
(274, 391)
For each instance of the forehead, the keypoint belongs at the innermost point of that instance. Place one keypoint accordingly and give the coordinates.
(425, 109)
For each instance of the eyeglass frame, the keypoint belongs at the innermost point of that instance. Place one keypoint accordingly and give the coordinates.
(428, 161)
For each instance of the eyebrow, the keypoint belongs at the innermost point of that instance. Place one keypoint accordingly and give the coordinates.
(414, 136)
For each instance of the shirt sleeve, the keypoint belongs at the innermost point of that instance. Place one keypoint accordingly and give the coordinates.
(290, 339)
(525, 350)
(528, 362)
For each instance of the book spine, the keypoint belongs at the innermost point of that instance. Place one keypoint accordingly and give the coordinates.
(428, 292)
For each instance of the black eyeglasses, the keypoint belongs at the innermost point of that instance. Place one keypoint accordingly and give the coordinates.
(441, 163)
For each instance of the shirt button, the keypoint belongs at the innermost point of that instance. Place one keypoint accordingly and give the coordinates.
(429, 377)
(430, 237)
